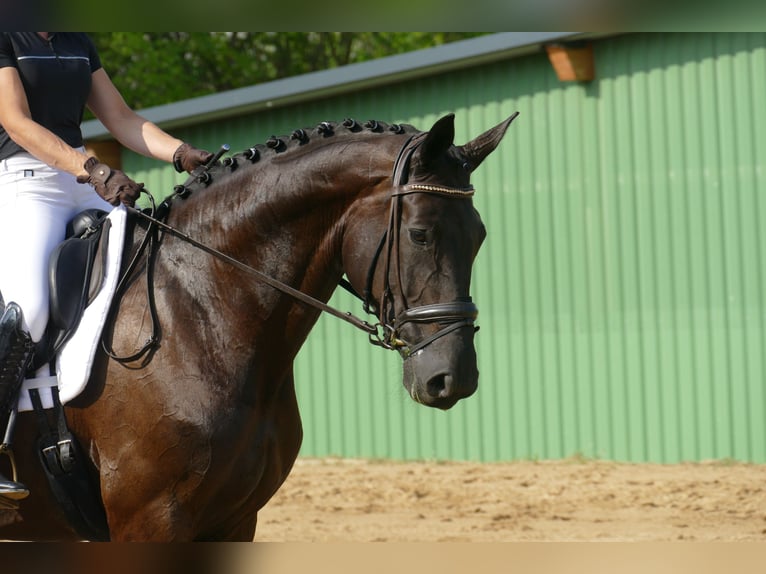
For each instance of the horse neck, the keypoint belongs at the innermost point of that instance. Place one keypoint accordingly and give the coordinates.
(284, 218)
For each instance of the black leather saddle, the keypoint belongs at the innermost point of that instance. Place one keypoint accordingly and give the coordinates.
(75, 275)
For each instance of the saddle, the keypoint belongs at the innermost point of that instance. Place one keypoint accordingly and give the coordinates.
(75, 275)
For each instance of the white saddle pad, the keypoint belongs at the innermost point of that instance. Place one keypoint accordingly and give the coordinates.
(75, 358)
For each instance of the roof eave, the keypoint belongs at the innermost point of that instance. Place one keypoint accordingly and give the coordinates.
(353, 77)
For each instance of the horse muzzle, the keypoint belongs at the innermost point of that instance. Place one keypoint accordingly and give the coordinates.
(441, 369)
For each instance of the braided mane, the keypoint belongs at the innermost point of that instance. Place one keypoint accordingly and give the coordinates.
(323, 130)
(276, 145)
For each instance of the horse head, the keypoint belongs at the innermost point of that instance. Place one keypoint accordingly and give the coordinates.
(418, 276)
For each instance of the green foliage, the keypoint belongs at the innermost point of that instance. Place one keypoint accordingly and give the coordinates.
(156, 68)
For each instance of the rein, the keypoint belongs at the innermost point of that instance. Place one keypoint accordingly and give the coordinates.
(386, 333)
(299, 295)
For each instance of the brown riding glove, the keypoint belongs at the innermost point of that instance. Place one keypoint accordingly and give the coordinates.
(188, 158)
(111, 184)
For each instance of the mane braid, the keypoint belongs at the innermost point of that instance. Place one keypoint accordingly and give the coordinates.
(276, 145)
(303, 136)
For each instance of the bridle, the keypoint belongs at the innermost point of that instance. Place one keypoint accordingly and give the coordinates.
(387, 332)
(452, 315)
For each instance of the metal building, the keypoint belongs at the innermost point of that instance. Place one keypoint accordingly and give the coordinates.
(622, 284)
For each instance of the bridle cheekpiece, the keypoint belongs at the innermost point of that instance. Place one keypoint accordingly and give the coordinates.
(452, 315)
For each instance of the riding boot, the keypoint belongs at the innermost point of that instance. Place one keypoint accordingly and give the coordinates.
(15, 356)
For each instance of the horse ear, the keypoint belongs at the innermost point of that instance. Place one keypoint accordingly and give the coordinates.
(479, 148)
(439, 139)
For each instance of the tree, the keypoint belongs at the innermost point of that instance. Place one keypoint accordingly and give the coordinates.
(156, 68)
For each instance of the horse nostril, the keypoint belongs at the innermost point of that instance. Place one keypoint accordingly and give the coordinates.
(439, 386)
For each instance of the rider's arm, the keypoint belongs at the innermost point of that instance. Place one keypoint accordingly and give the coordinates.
(130, 129)
(16, 119)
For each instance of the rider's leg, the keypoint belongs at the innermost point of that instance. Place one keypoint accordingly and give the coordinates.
(36, 202)
(31, 225)
(33, 221)
(15, 354)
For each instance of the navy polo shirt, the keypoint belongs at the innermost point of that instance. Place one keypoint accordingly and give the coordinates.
(56, 74)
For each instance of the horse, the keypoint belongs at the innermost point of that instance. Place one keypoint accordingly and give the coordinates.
(189, 440)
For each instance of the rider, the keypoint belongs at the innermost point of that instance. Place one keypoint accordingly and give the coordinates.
(46, 80)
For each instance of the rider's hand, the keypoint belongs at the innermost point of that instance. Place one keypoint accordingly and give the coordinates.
(111, 184)
(188, 158)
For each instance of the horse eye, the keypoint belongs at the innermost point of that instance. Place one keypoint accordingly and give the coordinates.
(419, 236)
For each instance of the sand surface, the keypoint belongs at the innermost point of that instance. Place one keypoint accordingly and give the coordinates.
(332, 500)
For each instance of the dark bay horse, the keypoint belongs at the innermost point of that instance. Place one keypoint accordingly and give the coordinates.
(191, 440)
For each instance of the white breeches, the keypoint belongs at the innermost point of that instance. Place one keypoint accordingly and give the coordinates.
(36, 203)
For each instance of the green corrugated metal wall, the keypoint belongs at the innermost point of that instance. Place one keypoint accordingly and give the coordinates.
(621, 286)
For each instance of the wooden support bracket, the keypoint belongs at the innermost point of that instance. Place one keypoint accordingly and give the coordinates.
(572, 61)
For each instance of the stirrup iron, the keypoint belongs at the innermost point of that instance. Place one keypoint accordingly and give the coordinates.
(10, 498)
